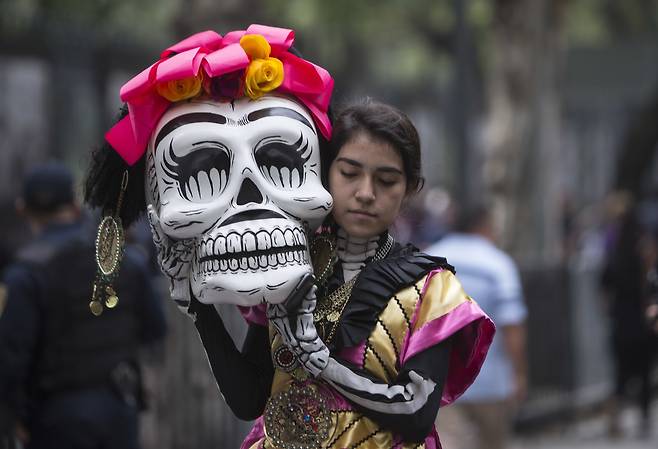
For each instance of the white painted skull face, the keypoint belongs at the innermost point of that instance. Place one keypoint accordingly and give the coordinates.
(241, 181)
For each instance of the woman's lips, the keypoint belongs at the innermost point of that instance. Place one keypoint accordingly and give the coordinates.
(360, 213)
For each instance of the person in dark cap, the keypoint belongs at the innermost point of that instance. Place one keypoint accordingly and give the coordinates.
(48, 187)
(69, 378)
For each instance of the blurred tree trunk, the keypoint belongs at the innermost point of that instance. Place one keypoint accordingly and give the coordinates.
(522, 127)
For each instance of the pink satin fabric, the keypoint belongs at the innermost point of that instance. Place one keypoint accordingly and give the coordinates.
(473, 333)
(353, 354)
(254, 314)
(216, 55)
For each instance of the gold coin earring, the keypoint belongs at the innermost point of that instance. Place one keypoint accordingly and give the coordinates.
(110, 241)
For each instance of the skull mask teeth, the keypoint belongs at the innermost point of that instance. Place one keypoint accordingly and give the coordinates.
(241, 181)
(251, 251)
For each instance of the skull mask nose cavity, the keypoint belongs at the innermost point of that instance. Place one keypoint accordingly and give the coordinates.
(248, 193)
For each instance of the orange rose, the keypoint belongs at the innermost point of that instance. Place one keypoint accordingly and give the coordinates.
(262, 76)
(178, 90)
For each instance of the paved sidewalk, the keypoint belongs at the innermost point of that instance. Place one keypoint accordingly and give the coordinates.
(591, 433)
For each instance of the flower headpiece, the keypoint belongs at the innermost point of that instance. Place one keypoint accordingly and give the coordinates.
(251, 62)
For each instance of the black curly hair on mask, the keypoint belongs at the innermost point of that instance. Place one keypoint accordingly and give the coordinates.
(103, 181)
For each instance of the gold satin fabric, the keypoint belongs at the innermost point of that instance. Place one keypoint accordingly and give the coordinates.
(351, 429)
(442, 296)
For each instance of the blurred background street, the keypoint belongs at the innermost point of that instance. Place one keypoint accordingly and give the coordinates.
(546, 108)
(588, 433)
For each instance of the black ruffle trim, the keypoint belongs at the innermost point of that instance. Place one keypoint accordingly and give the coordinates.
(377, 283)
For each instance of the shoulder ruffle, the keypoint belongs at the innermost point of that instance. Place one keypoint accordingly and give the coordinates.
(377, 283)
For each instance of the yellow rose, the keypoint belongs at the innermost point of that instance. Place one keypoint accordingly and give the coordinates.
(255, 46)
(178, 90)
(262, 76)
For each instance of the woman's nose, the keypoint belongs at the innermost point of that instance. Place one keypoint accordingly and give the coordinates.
(366, 192)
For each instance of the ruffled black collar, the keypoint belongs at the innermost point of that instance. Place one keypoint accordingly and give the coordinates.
(376, 284)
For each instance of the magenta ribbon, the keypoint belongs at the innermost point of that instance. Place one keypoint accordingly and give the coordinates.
(310, 84)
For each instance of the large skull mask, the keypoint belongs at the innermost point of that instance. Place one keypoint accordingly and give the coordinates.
(241, 182)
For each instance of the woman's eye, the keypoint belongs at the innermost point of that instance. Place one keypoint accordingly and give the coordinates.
(348, 174)
(388, 182)
(283, 163)
(201, 174)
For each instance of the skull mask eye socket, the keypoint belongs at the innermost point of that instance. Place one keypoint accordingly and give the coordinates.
(282, 163)
(202, 174)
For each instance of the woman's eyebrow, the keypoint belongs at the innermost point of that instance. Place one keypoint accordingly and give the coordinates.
(349, 161)
(194, 117)
(388, 169)
(384, 168)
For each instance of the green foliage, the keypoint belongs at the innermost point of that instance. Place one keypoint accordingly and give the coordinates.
(377, 43)
(137, 19)
(600, 22)
(373, 43)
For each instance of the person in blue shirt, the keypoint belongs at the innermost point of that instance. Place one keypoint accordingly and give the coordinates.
(490, 277)
(69, 378)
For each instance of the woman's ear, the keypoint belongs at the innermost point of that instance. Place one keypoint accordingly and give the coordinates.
(413, 190)
(419, 185)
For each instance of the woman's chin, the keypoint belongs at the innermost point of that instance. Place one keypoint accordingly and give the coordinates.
(359, 230)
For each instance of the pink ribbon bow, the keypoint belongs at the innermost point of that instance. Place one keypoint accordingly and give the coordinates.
(310, 84)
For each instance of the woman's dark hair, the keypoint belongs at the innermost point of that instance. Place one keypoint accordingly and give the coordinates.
(103, 182)
(381, 122)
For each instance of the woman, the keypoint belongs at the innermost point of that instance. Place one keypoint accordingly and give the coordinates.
(398, 337)
(388, 335)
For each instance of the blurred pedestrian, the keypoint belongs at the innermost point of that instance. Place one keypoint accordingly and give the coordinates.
(626, 283)
(491, 277)
(70, 379)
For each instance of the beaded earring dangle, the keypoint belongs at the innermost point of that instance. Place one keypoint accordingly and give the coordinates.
(110, 243)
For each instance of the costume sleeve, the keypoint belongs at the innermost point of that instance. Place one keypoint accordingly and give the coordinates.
(409, 405)
(443, 312)
(19, 333)
(244, 377)
(442, 353)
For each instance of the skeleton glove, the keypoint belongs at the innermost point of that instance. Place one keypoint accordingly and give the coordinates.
(293, 320)
(174, 258)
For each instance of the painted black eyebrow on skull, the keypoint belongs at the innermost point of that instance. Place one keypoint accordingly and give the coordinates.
(185, 119)
(209, 117)
(278, 112)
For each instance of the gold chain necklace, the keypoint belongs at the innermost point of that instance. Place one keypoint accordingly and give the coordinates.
(330, 308)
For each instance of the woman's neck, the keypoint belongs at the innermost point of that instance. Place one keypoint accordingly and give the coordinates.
(353, 252)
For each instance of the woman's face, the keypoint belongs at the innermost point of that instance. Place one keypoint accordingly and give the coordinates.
(368, 184)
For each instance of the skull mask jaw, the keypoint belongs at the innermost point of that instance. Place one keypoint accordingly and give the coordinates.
(241, 182)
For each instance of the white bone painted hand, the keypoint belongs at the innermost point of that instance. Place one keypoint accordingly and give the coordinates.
(312, 353)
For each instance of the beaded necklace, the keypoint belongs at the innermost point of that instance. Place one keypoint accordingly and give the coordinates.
(330, 308)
